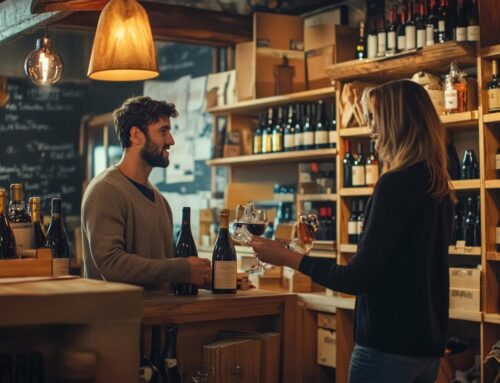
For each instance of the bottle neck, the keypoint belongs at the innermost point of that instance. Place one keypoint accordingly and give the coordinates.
(171, 342)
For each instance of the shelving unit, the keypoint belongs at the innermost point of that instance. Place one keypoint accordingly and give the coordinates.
(491, 117)
(356, 192)
(470, 251)
(348, 248)
(493, 256)
(461, 120)
(492, 184)
(355, 132)
(316, 197)
(471, 316)
(466, 184)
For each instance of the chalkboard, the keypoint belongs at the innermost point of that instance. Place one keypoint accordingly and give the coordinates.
(39, 140)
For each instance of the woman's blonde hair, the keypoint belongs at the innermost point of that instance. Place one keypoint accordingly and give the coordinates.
(409, 130)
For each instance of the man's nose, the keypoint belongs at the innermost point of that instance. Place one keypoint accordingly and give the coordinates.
(170, 139)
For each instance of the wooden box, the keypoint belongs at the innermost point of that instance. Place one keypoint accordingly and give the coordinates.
(465, 299)
(327, 321)
(233, 360)
(39, 266)
(463, 278)
(327, 347)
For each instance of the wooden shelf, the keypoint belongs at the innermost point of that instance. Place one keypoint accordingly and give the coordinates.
(491, 117)
(362, 131)
(466, 184)
(492, 184)
(493, 256)
(492, 318)
(323, 254)
(471, 316)
(256, 159)
(356, 192)
(316, 197)
(435, 59)
(261, 103)
(461, 120)
(348, 248)
(491, 52)
(470, 251)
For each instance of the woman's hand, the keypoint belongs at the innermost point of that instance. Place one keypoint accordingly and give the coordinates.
(275, 253)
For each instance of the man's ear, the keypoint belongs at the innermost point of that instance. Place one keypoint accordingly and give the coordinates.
(136, 136)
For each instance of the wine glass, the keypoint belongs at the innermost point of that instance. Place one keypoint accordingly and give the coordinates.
(256, 225)
(307, 228)
(238, 231)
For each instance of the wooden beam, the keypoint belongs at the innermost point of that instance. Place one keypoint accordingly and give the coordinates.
(42, 6)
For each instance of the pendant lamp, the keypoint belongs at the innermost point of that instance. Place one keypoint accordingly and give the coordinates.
(123, 47)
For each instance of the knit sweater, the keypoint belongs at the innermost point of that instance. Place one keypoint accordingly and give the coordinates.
(127, 237)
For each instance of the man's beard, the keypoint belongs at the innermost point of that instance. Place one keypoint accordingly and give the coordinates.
(150, 155)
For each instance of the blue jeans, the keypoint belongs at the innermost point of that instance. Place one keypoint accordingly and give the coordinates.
(372, 366)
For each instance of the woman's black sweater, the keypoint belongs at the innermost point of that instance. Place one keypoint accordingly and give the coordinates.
(400, 270)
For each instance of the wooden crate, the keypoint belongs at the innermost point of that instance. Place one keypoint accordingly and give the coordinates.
(40, 266)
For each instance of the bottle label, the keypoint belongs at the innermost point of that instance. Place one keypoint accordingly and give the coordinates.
(332, 137)
(462, 34)
(391, 41)
(381, 39)
(299, 139)
(289, 141)
(450, 99)
(358, 176)
(498, 235)
(321, 137)
(441, 26)
(473, 33)
(352, 228)
(401, 43)
(429, 34)
(371, 174)
(410, 34)
(257, 144)
(359, 227)
(267, 144)
(277, 142)
(24, 234)
(308, 138)
(60, 266)
(372, 46)
(225, 275)
(170, 363)
(498, 161)
(494, 99)
(421, 37)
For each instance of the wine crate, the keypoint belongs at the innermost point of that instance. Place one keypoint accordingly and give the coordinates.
(40, 266)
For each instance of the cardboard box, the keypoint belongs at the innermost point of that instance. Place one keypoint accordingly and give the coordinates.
(221, 89)
(465, 299)
(463, 278)
(278, 31)
(327, 347)
(320, 28)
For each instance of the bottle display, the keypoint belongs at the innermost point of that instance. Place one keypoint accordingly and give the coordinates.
(7, 239)
(420, 25)
(347, 164)
(39, 233)
(473, 22)
(381, 38)
(321, 130)
(371, 43)
(470, 168)
(224, 259)
(57, 241)
(391, 32)
(494, 89)
(401, 32)
(277, 137)
(352, 225)
(372, 166)
(289, 139)
(184, 248)
(257, 136)
(358, 168)
(267, 134)
(20, 219)
(410, 29)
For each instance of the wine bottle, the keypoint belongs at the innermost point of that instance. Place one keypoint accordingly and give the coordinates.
(332, 127)
(347, 164)
(475, 165)
(431, 25)
(360, 218)
(20, 219)
(401, 33)
(469, 223)
(308, 128)
(494, 89)
(381, 38)
(277, 140)
(267, 134)
(289, 139)
(420, 24)
(358, 168)
(224, 259)
(7, 239)
(352, 225)
(456, 232)
(444, 27)
(39, 234)
(145, 365)
(453, 10)
(321, 131)
(466, 170)
(462, 21)
(497, 161)
(184, 248)
(57, 241)
(473, 22)
(391, 32)
(371, 166)
(410, 29)
(299, 132)
(371, 43)
(360, 45)
(156, 357)
(257, 135)
(477, 222)
(171, 365)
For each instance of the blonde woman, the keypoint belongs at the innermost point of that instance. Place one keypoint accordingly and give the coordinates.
(399, 273)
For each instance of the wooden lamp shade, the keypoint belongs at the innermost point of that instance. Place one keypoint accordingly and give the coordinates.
(123, 47)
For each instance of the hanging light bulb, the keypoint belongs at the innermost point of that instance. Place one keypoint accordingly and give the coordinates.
(43, 66)
(123, 47)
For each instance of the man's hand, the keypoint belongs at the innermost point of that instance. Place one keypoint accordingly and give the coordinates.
(201, 273)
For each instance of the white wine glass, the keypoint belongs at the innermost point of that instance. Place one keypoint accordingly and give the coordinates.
(307, 228)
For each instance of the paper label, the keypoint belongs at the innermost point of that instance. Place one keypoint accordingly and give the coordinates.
(332, 139)
(277, 142)
(381, 43)
(257, 144)
(494, 99)
(421, 36)
(358, 176)
(401, 43)
(473, 33)
(462, 34)
(321, 137)
(24, 234)
(372, 46)
(225, 275)
(60, 266)
(450, 99)
(308, 138)
(429, 34)
(170, 363)
(410, 34)
(497, 235)
(352, 227)
(359, 227)
(299, 139)
(289, 141)
(441, 26)
(371, 174)
(391, 40)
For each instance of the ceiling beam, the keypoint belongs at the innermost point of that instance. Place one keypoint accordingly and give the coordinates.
(42, 6)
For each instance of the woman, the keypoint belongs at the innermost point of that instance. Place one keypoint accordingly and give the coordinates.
(399, 273)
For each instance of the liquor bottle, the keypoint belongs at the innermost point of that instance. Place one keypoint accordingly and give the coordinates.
(462, 21)
(473, 22)
(494, 89)
(39, 234)
(468, 228)
(360, 46)
(347, 164)
(277, 140)
(171, 365)
(299, 132)
(381, 38)
(57, 241)
(444, 27)
(289, 139)
(410, 29)
(308, 128)
(7, 239)
(431, 25)
(371, 43)
(371, 166)
(267, 134)
(360, 218)
(321, 131)
(20, 219)
(455, 90)
(184, 248)
(358, 168)
(352, 225)
(401, 33)
(156, 357)
(477, 222)
(257, 135)
(224, 259)
(332, 127)
(391, 32)
(420, 24)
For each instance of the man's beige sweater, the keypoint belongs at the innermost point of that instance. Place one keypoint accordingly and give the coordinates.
(126, 236)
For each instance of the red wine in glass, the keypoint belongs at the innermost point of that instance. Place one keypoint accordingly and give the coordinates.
(256, 229)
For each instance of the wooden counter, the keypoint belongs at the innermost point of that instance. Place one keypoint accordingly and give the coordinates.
(201, 318)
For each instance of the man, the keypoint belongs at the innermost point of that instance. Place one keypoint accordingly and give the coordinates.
(126, 223)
